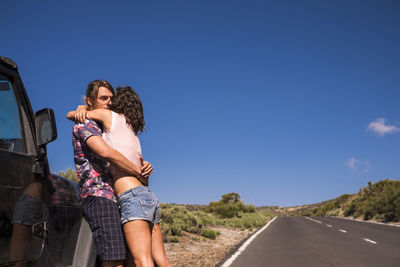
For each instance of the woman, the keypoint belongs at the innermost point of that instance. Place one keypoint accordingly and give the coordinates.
(139, 207)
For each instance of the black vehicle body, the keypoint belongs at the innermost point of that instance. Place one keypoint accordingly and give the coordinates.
(41, 222)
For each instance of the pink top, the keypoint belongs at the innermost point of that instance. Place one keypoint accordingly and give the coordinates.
(123, 139)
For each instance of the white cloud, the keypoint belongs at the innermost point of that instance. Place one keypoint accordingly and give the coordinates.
(351, 163)
(381, 128)
(358, 165)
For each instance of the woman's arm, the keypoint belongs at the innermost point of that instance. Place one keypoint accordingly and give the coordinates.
(78, 115)
(102, 115)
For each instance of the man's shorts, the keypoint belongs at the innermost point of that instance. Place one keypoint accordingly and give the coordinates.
(139, 203)
(104, 219)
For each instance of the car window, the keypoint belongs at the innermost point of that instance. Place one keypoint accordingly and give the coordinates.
(11, 132)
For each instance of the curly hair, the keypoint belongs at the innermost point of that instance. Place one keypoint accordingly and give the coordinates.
(127, 102)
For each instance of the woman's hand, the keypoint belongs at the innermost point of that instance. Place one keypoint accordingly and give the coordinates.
(80, 114)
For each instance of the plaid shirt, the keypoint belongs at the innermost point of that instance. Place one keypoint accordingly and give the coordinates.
(94, 175)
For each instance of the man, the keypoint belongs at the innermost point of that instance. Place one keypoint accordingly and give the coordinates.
(91, 155)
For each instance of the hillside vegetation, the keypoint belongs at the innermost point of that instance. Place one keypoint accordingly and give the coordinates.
(379, 201)
(229, 211)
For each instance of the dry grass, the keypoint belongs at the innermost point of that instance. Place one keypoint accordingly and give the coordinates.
(194, 250)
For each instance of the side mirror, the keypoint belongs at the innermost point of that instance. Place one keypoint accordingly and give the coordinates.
(45, 123)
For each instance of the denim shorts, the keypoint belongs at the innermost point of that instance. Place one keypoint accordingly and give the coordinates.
(139, 203)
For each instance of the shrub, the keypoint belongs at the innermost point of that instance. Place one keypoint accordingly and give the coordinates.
(174, 239)
(230, 206)
(176, 219)
(251, 208)
(209, 233)
(349, 210)
(195, 238)
(334, 213)
(380, 200)
(248, 220)
(228, 212)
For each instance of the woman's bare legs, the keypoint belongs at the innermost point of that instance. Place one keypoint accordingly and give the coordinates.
(145, 246)
(157, 247)
(138, 238)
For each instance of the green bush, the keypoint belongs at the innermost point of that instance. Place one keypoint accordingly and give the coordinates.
(334, 213)
(195, 238)
(174, 239)
(380, 201)
(247, 221)
(251, 208)
(230, 206)
(228, 212)
(209, 233)
(176, 219)
(349, 210)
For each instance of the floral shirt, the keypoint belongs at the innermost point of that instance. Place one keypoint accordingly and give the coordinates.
(94, 175)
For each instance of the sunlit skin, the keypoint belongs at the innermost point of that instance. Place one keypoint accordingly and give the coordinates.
(102, 101)
(103, 98)
(145, 243)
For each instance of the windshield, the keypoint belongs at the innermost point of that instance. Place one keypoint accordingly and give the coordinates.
(11, 135)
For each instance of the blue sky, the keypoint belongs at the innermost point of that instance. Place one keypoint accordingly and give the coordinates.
(284, 102)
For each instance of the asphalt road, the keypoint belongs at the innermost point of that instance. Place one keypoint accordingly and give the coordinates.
(305, 241)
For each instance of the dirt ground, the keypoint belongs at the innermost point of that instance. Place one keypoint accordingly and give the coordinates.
(193, 250)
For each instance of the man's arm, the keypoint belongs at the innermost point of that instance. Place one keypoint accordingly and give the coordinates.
(97, 145)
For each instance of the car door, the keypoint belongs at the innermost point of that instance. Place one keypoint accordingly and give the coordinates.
(22, 210)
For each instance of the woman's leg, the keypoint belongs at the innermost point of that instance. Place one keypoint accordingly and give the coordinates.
(157, 247)
(138, 238)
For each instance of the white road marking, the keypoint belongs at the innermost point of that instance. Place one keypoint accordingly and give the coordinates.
(311, 219)
(369, 240)
(358, 220)
(244, 246)
(328, 225)
(343, 231)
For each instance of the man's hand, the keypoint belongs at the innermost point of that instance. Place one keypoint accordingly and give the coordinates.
(81, 113)
(146, 169)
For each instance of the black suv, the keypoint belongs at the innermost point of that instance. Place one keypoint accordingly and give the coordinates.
(41, 221)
